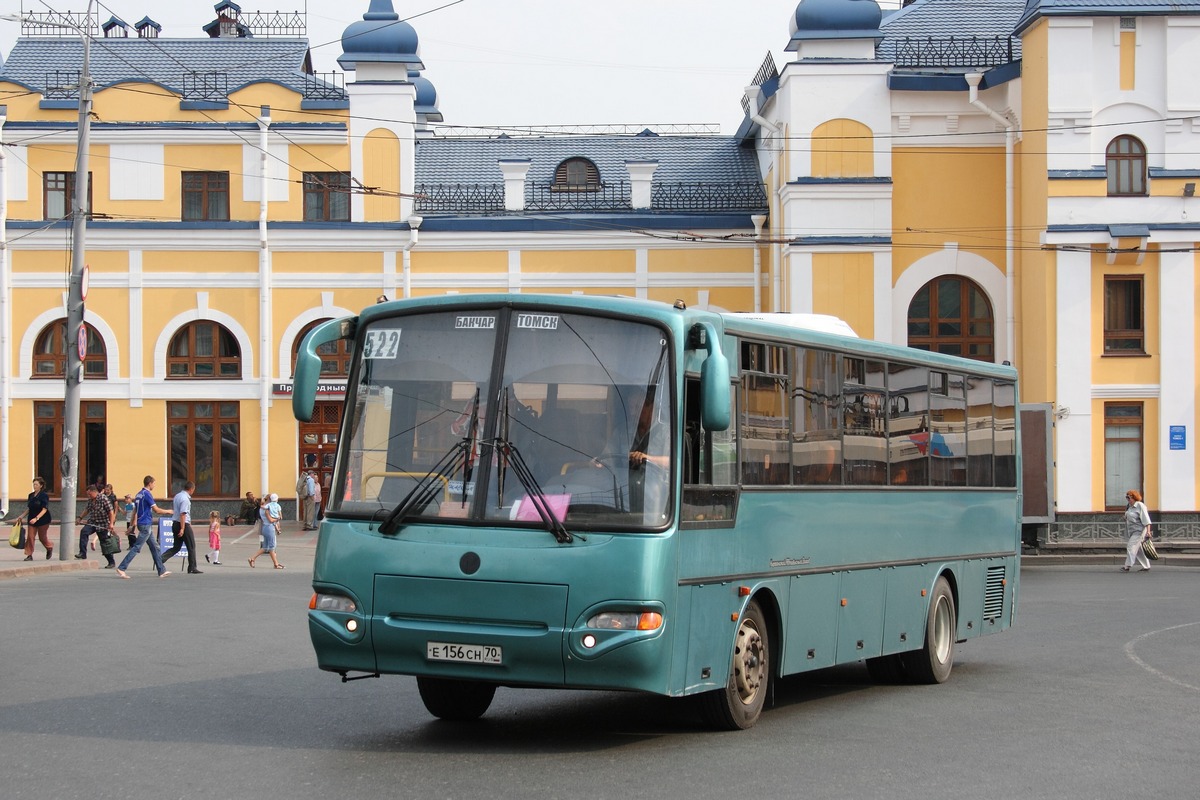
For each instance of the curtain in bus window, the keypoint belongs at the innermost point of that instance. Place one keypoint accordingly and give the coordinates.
(908, 425)
(947, 430)
(422, 379)
(764, 430)
(864, 414)
(980, 431)
(1004, 403)
(816, 420)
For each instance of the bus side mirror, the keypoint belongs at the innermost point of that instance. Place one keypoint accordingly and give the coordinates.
(714, 382)
(308, 363)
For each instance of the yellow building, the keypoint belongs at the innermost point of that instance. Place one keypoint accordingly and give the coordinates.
(1010, 180)
(237, 199)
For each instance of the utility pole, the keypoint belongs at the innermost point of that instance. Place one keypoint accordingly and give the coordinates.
(76, 291)
(76, 334)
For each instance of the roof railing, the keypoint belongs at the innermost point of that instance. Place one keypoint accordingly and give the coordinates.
(59, 24)
(674, 197)
(325, 86)
(205, 86)
(63, 84)
(290, 24)
(947, 51)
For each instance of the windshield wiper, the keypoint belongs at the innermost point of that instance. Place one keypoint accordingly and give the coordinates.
(461, 454)
(511, 455)
(425, 489)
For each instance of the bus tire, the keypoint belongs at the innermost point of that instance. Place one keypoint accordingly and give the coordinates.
(738, 705)
(456, 700)
(933, 662)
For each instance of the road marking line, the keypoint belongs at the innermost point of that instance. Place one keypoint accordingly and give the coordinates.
(1129, 648)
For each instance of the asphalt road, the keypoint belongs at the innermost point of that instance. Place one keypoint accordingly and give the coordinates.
(205, 687)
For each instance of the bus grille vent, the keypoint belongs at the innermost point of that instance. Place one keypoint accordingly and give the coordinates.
(993, 599)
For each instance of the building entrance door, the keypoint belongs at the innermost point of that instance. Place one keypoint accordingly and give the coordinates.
(318, 445)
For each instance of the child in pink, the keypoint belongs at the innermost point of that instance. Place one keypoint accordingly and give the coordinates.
(214, 538)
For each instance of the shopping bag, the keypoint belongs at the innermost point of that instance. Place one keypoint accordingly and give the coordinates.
(110, 543)
(17, 537)
(1149, 549)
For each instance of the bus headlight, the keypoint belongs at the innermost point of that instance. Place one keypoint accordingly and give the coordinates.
(626, 621)
(332, 602)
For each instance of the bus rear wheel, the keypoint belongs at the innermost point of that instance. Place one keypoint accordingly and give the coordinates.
(933, 662)
(456, 700)
(739, 704)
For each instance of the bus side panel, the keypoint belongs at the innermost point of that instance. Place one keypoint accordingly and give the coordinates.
(860, 616)
(969, 576)
(905, 609)
(811, 625)
(714, 619)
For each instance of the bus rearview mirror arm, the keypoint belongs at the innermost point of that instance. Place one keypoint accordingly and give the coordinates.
(308, 363)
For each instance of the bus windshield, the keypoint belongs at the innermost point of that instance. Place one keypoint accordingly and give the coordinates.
(578, 426)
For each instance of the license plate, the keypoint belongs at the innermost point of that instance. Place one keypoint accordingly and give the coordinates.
(466, 653)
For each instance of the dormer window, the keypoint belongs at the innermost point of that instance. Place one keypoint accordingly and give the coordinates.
(576, 175)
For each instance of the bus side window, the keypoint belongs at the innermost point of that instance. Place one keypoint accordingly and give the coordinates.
(695, 462)
(703, 504)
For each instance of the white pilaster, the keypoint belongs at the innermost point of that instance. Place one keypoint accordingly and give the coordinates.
(800, 283)
(514, 269)
(1073, 380)
(642, 273)
(1177, 401)
(137, 363)
(882, 297)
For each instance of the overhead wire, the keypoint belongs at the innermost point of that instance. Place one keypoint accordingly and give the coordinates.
(739, 238)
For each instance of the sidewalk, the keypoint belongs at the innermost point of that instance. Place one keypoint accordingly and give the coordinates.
(296, 551)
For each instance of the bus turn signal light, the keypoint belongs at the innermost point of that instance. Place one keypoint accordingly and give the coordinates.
(627, 620)
(332, 602)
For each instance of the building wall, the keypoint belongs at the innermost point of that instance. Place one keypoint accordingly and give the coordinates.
(151, 274)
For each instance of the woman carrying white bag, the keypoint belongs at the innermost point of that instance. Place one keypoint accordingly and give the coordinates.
(1137, 528)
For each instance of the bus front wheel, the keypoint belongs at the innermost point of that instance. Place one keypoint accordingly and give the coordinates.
(457, 700)
(933, 662)
(738, 705)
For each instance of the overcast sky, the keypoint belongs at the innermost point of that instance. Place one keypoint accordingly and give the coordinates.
(536, 62)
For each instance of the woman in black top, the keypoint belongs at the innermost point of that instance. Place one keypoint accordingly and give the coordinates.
(38, 515)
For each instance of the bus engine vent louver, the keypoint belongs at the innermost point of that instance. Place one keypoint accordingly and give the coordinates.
(993, 599)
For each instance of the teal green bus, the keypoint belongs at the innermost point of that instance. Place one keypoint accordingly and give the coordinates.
(611, 493)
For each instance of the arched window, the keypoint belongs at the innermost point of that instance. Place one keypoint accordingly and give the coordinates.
(1125, 161)
(335, 356)
(576, 175)
(50, 353)
(952, 315)
(204, 349)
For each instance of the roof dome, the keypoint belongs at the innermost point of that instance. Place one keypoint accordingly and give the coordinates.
(381, 37)
(835, 19)
(426, 102)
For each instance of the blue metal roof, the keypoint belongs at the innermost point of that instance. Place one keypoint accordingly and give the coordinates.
(162, 61)
(941, 19)
(1037, 9)
(681, 159)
